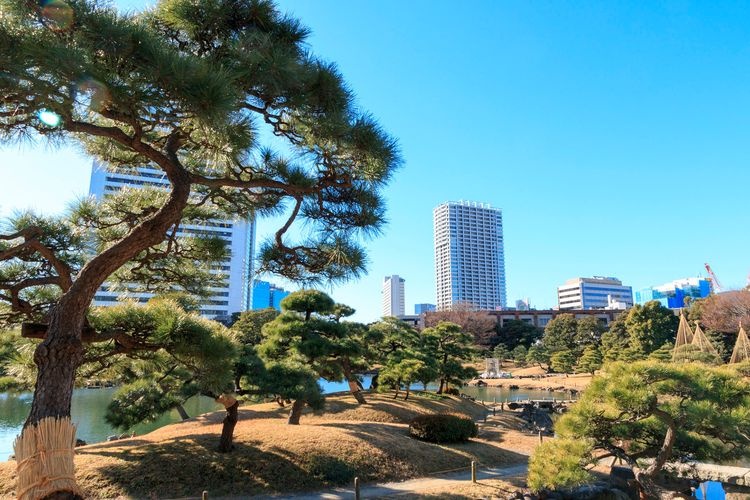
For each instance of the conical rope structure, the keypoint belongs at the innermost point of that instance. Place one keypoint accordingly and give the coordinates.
(741, 351)
(684, 334)
(700, 340)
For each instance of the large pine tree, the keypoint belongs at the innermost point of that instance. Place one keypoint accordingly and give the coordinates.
(185, 87)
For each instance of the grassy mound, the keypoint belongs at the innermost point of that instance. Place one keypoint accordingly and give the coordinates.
(330, 447)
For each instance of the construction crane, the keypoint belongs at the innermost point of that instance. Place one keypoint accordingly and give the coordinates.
(714, 280)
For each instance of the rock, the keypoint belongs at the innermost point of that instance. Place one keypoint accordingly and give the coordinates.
(80, 442)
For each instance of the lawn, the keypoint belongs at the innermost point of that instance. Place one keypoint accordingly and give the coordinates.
(330, 447)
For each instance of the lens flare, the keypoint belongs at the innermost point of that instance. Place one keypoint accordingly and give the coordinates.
(58, 14)
(49, 118)
(97, 92)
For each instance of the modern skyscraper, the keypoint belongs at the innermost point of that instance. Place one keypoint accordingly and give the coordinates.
(393, 296)
(593, 293)
(239, 236)
(469, 255)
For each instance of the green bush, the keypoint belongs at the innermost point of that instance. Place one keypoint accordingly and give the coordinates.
(442, 428)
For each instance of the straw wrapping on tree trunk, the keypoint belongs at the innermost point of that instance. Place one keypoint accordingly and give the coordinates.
(44, 456)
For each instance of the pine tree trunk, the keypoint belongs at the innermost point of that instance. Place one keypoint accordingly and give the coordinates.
(61, 352)
(57, 358)
(354, 387)
(230, 421)
(442, 385)
(181, 410)
(407, 392)
(374, 382)
(296, 413)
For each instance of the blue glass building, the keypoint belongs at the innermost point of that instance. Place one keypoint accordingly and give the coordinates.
(423, 308)
(673, 294)
(267, 295)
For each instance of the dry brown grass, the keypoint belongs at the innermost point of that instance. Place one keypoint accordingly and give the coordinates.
(577, 381)
(330, 447)
(484, 489)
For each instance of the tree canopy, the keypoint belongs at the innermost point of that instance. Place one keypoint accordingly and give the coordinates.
(648, 409)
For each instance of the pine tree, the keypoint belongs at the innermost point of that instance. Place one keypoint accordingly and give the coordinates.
(659, 409)
(450, 347)
(308, 333)
(562, 361)
(182, 87)
(590, 361)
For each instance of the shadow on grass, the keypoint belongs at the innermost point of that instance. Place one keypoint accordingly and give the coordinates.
(428, 457)
(188, 466)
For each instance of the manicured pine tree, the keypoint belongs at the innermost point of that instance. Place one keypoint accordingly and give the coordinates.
(450, 347)
(659, 409)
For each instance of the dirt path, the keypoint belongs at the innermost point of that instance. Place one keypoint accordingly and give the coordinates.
(411, 486)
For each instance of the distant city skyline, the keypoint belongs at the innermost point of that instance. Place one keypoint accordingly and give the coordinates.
(612, 135)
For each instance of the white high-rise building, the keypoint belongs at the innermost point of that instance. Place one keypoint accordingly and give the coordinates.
(239, 236)
(469, 255)
(393, 296)
(598, 292)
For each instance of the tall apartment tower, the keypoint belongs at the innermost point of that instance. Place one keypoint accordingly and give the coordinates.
(469, 255)
(239, 236)
(593, 293)
(393, 296)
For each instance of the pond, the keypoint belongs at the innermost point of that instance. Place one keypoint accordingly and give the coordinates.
(89, 406)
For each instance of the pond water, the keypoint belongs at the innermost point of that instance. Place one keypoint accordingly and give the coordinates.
(89, 406)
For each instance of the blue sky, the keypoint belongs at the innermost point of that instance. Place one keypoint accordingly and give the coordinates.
(614, 136)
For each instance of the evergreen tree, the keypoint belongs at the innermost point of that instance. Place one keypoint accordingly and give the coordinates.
(516, 332)
(248, 333)
(659, 409)
(538, 355)
(650, 326)
(450, 347)
(560, 333)
(182, 87)
(590, 361)
(308, 333)
(181, 355)
(562, 361)
(519, 355)
(501, 352)
(664, 353)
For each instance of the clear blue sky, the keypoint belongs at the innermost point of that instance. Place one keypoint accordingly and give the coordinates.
(614, 135)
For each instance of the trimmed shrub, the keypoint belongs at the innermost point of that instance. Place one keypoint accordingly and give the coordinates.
(442, 428)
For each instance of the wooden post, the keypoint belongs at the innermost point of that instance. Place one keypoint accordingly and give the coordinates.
(356, 489)
(204, 496)
(541, 437)
(473, 471)
(502, 406)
